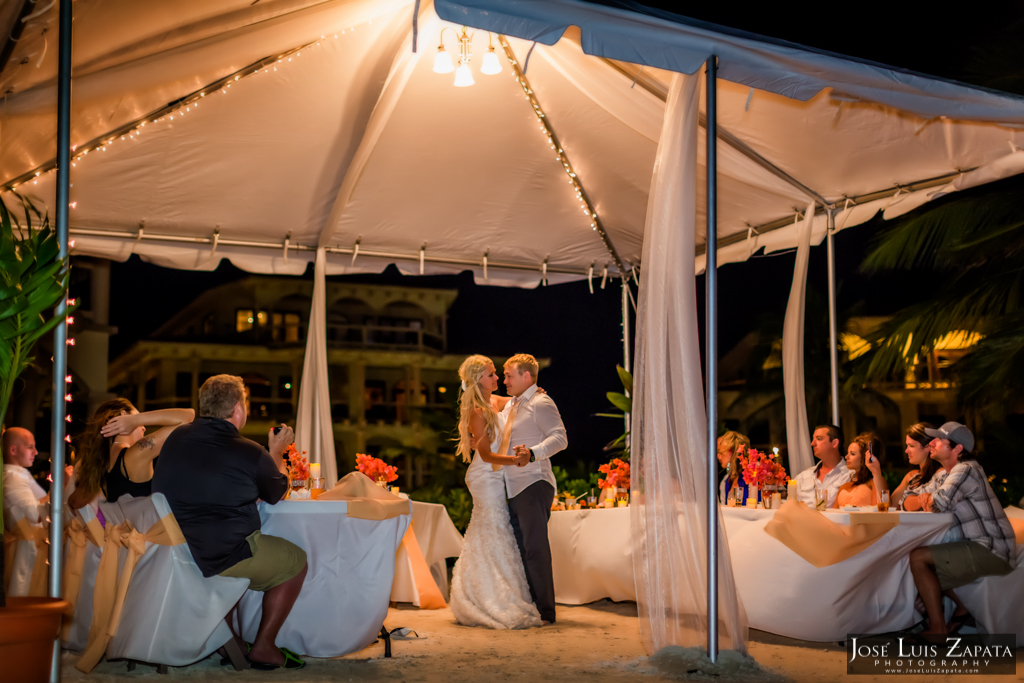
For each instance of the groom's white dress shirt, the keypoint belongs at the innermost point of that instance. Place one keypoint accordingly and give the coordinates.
(538, 426)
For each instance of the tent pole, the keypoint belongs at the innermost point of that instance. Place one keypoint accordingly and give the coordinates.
(626, 365)
(60, 333)
(711, 350)
(833, 348)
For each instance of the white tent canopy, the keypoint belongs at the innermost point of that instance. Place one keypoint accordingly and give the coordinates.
(354, 139)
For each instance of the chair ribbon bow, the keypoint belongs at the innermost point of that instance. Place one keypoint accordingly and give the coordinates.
(79, 535)
(36, 533)
(110, 591)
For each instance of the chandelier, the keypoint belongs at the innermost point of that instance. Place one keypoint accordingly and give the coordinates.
(463, 76)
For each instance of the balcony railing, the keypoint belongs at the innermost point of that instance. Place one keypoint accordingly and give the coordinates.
(383, 337)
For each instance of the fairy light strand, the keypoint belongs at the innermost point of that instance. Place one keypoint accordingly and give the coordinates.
(549, 133)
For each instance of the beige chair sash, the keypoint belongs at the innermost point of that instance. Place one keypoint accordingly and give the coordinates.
(26, 531)
(812, 536)
(110, 591)
(79, 535)
(429, 594)
(365, 499)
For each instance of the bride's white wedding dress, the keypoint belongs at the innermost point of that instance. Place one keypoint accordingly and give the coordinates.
(489, 583)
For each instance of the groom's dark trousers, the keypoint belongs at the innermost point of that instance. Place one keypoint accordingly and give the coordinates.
(530, 512)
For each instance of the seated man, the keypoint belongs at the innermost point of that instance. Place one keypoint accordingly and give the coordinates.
(980, 542)
(20, 491)
(831, 471)
(212, 478)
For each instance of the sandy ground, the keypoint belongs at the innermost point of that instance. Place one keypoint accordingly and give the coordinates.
(597, 642)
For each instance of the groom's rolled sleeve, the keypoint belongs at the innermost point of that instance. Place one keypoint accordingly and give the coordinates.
(549, 421)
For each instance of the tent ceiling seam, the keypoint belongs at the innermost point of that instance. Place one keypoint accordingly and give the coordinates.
(128, 237)
(724, 135)
(531, 96)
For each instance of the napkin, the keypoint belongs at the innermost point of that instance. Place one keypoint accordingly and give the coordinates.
(814, 537)
(365, 499)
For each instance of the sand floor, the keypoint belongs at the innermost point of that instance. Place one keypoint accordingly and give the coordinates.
(597, 642)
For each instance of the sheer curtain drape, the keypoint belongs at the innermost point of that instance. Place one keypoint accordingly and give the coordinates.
(669, 511)
(798, 435)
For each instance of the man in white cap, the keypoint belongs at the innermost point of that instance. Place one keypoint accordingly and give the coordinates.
(980, 542)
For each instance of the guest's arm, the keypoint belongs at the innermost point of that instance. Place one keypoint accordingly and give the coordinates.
(271, 473)
(148, 447)
(897, 495)
(880, 484)
(959, 484)
(278, 443)
(545, 413)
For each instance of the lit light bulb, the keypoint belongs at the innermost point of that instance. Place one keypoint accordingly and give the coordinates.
(443, 61)
(491, 64)
(67, 418)
(67, 397)
(68, 379)
(463, 76)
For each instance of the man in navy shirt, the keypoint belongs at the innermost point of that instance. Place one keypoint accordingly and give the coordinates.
(212, 477)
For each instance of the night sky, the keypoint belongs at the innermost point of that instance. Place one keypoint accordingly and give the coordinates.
(581, 332)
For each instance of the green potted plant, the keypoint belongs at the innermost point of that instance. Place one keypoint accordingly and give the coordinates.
(624, 402)
(33, 280)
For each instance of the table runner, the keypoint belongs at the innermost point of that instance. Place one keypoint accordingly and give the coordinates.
(365, 499)
(822, 542)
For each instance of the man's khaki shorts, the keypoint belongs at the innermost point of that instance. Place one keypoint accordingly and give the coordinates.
(961, 562)
(274, 561)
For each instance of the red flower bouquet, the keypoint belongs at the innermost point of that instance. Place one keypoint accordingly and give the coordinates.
(616, 475)
(375, 468)
(298, 465)
(760, 469)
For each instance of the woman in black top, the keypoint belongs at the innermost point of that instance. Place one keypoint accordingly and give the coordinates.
(116, 456)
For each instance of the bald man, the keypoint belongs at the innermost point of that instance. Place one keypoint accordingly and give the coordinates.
(20, 489)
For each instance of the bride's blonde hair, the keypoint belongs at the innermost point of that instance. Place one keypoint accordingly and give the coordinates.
(472, 370)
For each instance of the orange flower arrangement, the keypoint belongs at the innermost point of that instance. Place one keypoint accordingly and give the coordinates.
(375, 468)
(298, 465)
(616, 475)
(760, 469)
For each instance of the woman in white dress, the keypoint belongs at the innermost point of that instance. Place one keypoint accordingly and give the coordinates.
(489, 583)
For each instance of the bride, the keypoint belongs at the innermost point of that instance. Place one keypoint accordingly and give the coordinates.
(489, 583)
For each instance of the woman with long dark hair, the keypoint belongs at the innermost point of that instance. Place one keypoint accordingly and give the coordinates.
(868, 483)
(928, 476)
(115, 456)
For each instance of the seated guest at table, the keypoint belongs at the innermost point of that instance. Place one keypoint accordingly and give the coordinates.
(212, 477)
(867, 482)
(730, 445)
(20, 489)
(927, 476)
(980, 541)
(116, 456)
(831, 471)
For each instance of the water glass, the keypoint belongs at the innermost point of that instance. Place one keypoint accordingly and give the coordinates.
(820, 497)
(317, 485)
(883, 502)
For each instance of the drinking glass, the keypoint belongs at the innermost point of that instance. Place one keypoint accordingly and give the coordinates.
(317, 486)
(591, 501)
(883, 502)
(766, 495)
(298, 485)
(820, 497)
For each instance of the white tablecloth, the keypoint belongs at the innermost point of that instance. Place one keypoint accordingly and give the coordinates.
(344, 599)
(438, 539)
(591, 555)
(871, 592)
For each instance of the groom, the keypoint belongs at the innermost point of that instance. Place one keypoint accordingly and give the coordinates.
(536, 427)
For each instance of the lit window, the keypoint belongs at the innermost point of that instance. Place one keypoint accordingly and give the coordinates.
(243, 319)
(442, 390)
(261, 318)
(291, 327)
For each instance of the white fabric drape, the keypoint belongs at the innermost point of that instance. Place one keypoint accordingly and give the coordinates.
(669, 438)
(314, 431)
(798, 435)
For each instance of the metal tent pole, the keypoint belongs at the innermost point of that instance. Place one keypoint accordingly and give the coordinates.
(711, 351)
(625, 338)
(833, 342)
(60, 333)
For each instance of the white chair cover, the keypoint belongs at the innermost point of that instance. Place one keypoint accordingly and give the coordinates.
(172, 614)
(995, 600)
(78, 633)
(25, 555)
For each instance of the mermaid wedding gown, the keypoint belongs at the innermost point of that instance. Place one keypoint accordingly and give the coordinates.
(489, 583)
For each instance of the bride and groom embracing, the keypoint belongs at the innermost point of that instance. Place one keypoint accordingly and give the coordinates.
(503, 578)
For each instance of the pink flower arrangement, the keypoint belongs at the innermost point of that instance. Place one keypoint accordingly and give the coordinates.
(375, 468)
(760, 469)
(616, 475)
(298, 465)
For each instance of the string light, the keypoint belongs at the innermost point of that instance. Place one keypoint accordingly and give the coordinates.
(549, 133)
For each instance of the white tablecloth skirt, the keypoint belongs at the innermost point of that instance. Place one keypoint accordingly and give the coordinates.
(438, 539)
(591, 555)
(344, 599)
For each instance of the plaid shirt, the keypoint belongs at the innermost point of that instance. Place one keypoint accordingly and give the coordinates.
(977, 514)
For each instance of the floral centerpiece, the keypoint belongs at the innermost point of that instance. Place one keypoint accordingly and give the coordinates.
(760, 469)
(616, 475)
(297, 464)
(375, 468)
